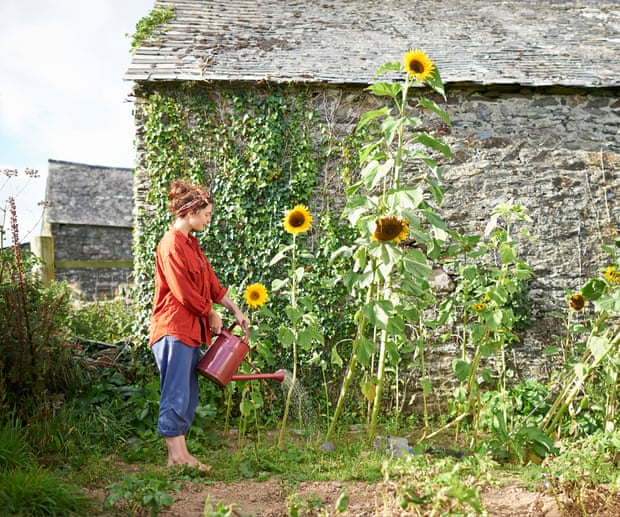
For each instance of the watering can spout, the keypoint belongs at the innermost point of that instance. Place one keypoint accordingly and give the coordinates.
(276, 376)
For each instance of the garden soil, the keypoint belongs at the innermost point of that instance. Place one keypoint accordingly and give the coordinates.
(272, 499)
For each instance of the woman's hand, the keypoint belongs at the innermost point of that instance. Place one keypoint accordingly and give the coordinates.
(241, 318)
(244, 323)
(214, 321)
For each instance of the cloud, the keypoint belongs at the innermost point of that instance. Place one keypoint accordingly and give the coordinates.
(62, 93)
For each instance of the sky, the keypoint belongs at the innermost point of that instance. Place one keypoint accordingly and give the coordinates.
(62, 93)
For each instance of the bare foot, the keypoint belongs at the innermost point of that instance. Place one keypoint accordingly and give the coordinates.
(192, 462)
(179, 455)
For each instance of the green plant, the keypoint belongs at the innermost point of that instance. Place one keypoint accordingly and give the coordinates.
(444, 486)
(14, 450)
(36, 361)
(488, 297)
(220, 509)
(141, 494)
(386, 206)
(101, 321)
(31, 491)
(149, 27)
(303, 330)
(585, 464)
(593, 364)
(310, 505)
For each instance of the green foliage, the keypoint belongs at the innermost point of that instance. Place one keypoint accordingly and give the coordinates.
(391, 201)
(584, 464)
(102, 320)
(14, 450)
(586, 388)
(140, 493)
(220, 509)
(36, 359)
(298, 506)
(30, 491)
(261, 153)
(444, 486)
(149, 27)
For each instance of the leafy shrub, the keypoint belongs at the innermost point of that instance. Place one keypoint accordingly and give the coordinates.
(102, 320)
(36, 360)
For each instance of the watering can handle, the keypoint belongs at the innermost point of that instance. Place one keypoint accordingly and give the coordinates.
(230, 329)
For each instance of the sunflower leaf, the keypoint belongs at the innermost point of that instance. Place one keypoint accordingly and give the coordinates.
(378, 313)
(371, 115)
(377, 173)
(364, 349)
(280, 255)
(335, 358)
(431, 105)
(386, 89)
(433, 143)
(435, 82)
(286, 336)
(392, 66)
(403, 198)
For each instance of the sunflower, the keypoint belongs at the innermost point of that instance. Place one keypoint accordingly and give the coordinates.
(297, 220)
(255, 296)
(391, 229)
(612, 275)
(479, 307)
(576, 302)
(418, 64)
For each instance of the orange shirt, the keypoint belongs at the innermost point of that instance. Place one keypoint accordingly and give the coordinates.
(185, 287)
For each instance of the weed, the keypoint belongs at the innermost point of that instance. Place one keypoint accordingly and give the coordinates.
(34, 491)
(14, 450)
(220, 509)
(310, 505)
(140, 494)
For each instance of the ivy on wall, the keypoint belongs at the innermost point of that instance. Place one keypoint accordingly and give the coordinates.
(261, 152)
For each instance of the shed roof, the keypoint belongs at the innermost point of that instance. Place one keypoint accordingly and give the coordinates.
(528, 42)
(88, 195)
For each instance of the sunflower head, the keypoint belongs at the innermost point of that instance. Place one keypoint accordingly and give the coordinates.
(612, 275)
(255, 296)
(479, 307)
(576, 302)
(297, 220)
(417, 64)
(391, 228)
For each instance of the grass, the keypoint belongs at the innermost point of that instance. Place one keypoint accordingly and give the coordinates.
(129, 473)
(34, 491)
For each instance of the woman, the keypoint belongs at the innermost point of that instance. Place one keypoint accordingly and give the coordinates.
(183, 317)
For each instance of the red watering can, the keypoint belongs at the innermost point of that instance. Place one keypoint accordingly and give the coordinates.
(223, 357)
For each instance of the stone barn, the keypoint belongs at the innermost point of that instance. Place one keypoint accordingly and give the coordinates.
(88, 223)
(532, 89)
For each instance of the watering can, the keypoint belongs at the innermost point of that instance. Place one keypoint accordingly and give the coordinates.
(223, 357)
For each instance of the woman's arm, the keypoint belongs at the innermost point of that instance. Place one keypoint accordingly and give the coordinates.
(241, 318)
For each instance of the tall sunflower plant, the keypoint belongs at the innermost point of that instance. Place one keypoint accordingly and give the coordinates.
(251, 401)
(391, 206)
(301, 331)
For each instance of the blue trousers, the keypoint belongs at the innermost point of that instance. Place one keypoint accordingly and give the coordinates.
(179, 385)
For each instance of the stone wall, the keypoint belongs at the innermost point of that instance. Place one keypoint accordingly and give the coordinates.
(93, 243)
(554, 151)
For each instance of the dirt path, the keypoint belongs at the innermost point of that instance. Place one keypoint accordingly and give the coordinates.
(271, 499)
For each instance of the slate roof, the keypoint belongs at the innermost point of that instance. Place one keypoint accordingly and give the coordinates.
(527, 42)
(90, 195)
